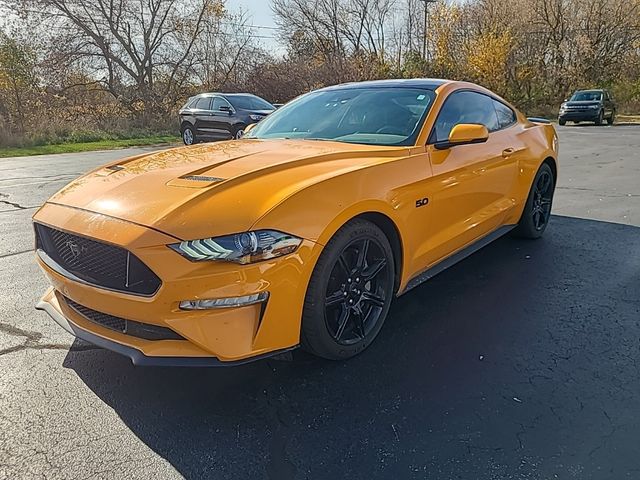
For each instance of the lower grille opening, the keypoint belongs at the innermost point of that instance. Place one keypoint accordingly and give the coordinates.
(121, 325)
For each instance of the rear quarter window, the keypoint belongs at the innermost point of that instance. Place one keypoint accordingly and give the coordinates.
(202, 103)
(506, 116)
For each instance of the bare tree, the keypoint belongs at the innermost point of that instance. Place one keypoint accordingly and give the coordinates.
(139, 49)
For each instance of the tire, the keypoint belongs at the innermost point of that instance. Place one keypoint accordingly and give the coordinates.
(562, 122)
(238, 132)
(188, 135)
(537, 210)
(600, 119)
(349, 293)
(611, 120)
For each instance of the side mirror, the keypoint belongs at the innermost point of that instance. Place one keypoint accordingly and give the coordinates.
(226, 108)
(566, 99)
(465, 134)
(249, 127)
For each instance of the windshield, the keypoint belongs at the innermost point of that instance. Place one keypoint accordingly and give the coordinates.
(249, 102)
(586, 97)
(373, 116)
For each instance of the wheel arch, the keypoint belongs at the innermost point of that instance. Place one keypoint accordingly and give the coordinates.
(391, 231)
(554, 167)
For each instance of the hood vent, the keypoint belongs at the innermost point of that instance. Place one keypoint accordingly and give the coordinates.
(202, 178)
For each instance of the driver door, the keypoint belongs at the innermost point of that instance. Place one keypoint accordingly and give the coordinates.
(472, 184)
(221, 122)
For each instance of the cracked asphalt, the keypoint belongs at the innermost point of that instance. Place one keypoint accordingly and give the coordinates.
(521, 362)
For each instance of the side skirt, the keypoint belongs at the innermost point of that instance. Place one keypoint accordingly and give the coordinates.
(456, 257)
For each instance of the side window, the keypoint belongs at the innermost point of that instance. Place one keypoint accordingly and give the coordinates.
(465, 107)
(506, 116)
(219, 102)
(203, 103)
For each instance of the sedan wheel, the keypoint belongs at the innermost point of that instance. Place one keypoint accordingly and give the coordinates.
(349, 293)
(187, 136)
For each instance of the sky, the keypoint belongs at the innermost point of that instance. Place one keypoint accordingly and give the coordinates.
(260, 15)
(260, 10)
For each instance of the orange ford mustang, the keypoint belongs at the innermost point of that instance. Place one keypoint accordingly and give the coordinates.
(300, 233)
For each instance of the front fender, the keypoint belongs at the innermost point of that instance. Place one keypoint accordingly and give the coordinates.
(316, 213)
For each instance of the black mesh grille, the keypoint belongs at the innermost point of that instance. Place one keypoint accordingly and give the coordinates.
(128, 327)
(108, 321)
(97, 263)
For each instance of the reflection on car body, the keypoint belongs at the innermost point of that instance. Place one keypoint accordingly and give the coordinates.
(220, 116)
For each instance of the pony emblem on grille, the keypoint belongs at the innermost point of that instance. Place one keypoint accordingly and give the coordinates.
(76, 250)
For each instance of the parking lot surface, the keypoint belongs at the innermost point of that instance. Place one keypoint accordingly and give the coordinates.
(521, 362)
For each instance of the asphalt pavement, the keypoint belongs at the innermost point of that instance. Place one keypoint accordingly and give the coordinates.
(521, 362)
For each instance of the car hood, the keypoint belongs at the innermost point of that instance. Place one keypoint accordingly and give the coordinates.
(213, 189)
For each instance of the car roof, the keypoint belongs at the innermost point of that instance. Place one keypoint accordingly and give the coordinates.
(591, 90)
(220, 94)
(425, 83)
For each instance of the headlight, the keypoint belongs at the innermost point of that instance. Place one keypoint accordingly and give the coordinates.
(595, 107)
(255, 118)
(241, 248)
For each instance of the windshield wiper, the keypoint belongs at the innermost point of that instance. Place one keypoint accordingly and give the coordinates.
(321, 139)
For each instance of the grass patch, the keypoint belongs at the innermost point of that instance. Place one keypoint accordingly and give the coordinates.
(88, 146)
(628, 118)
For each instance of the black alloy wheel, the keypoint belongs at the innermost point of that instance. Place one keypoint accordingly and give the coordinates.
(349, 293)
(542, 196)
(356, 292)
(537, 210)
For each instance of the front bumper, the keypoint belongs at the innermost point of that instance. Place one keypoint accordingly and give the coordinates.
(580, 116)
(224, 336)
(51, 306)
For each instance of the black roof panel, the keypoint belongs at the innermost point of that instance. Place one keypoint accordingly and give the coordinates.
(426, 83)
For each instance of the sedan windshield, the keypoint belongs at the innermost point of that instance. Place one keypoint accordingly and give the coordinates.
(373, 116)
(586, 97)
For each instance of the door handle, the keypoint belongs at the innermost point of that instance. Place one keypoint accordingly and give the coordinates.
(507, 152)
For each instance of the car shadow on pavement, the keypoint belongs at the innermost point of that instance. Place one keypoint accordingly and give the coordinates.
(521, 361)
